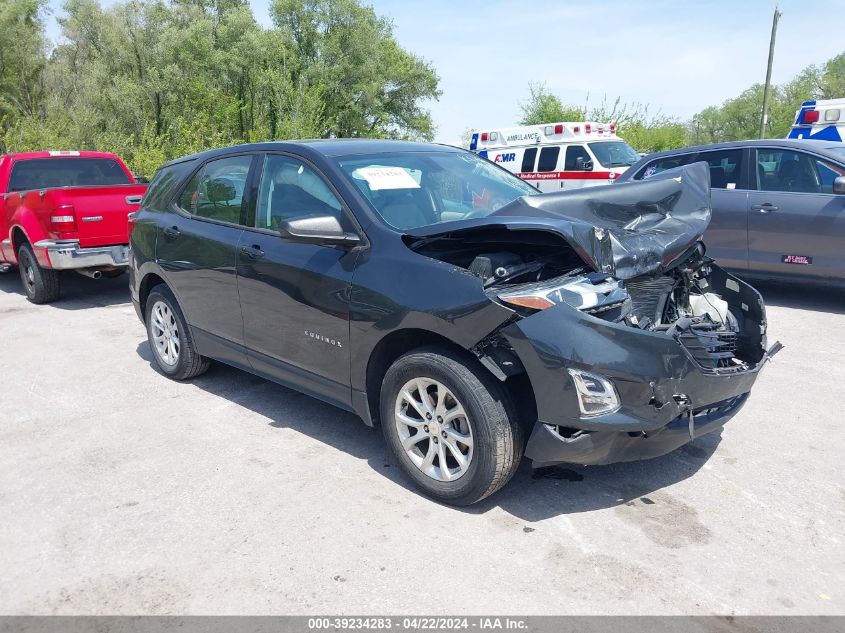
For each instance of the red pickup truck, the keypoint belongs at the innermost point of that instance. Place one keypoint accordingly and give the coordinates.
(64, 211)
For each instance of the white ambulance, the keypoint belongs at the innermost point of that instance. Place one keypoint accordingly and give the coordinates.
(555, 156)
(820, 120)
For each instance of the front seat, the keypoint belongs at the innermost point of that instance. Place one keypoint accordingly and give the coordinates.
(718, 180)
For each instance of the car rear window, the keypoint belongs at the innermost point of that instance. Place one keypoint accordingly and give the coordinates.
(46, 173)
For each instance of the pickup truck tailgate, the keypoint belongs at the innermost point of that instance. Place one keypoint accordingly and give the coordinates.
(101, 212)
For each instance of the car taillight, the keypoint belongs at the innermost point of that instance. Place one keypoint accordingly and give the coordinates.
(811, 116)
(63, 219)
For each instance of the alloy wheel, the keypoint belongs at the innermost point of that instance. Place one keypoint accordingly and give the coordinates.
(434, 429)
(165, 333)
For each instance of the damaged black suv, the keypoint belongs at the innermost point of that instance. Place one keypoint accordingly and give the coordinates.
(438, 296)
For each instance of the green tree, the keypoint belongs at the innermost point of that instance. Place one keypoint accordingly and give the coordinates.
(832, 84)
(739, 118)
(643, 131)
(369, 85)
(155, 79)
(544, 107)
(22, 60)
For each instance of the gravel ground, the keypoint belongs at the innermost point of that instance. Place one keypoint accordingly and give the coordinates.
(122, 492)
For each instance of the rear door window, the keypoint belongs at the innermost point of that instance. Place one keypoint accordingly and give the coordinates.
(528, 160)
(548, 159)
(725, 168)
(573, 153)
(216, 191)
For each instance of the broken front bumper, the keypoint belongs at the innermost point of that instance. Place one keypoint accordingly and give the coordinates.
(67, 254)
(666, 397)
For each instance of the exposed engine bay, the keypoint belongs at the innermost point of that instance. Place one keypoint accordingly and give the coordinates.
(695, 301)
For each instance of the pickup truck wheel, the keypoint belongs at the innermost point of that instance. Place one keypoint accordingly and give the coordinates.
(40, 284)
(449, 425)
(170, 337)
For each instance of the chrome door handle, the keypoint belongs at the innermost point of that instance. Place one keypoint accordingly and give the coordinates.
(171, 232)
(764, 208)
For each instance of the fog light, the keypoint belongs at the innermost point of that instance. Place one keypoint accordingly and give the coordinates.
(596, 394)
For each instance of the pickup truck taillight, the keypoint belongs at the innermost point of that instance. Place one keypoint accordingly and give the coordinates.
(63, 220)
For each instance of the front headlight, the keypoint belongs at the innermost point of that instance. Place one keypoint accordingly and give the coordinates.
(583, 292)
(596, 394)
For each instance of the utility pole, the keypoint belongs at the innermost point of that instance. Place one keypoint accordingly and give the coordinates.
(764, 118)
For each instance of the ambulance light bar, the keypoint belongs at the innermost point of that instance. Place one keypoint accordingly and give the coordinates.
(556, 129)
(811, 116)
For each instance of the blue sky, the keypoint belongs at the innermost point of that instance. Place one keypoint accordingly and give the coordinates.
(677, 56)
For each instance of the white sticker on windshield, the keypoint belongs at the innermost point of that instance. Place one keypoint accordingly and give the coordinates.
(730, 185)
(387, 178)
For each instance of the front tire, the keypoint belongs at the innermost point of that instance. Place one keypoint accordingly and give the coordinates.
(40, 284)
(450, 425)
(170, 337)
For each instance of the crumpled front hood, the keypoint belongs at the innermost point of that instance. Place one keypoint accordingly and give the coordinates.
(625, 230)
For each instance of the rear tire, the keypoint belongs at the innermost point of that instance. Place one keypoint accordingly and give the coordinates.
(40, 284)
(170, 337)
(465, 416)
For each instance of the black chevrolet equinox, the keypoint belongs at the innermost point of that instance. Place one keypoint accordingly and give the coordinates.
(437, 296)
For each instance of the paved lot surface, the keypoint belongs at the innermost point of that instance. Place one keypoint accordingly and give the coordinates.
(124, 492)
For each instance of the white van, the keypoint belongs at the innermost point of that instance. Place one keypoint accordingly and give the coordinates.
(556, 156)
(820, 120)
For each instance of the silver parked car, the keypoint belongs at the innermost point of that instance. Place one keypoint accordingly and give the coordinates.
(778, 205)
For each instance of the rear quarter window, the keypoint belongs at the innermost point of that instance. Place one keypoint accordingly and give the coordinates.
(166, 183)
(662, 164)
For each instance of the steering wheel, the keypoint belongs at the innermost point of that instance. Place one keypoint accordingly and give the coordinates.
(483, 212)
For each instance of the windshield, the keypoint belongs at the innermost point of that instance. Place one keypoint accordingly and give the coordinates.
(46, 173)
(614, 153)
(415, 189)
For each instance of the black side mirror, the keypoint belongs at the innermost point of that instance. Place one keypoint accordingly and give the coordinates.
(583, 165)
(317, 229)
(839, 185)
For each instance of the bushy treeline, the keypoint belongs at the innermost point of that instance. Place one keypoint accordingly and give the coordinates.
(736, 119)
(156, 79)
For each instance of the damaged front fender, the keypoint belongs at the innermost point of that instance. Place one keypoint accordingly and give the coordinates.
(659, 380)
